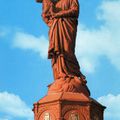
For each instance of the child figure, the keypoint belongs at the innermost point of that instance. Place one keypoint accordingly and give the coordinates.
(47, 10)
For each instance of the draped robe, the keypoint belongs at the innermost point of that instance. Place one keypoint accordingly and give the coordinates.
(62, 39)
(62, 36)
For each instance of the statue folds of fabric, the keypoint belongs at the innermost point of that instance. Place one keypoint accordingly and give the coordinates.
(62, 19)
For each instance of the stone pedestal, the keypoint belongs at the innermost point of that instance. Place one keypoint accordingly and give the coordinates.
(68, 106)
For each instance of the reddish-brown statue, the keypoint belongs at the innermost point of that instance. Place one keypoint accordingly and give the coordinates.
(62, 18)
(68, 96)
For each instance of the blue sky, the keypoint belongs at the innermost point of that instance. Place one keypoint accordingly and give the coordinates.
(25, 71)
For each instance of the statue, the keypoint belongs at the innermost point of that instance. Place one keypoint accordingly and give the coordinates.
(68, 97)
(61, 16)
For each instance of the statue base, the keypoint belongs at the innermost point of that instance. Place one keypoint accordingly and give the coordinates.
(68, 106)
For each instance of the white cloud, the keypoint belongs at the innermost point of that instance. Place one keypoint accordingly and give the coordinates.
(29, 42)
(5, 118)
(104, 41)
(112, 103)
(12, 106)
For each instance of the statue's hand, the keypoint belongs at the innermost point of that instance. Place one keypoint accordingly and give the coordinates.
(55, 15)
(52, 15)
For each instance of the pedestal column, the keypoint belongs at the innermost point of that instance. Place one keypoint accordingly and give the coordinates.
(68, 106)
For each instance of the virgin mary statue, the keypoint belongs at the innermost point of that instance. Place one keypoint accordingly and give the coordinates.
(62, 18)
